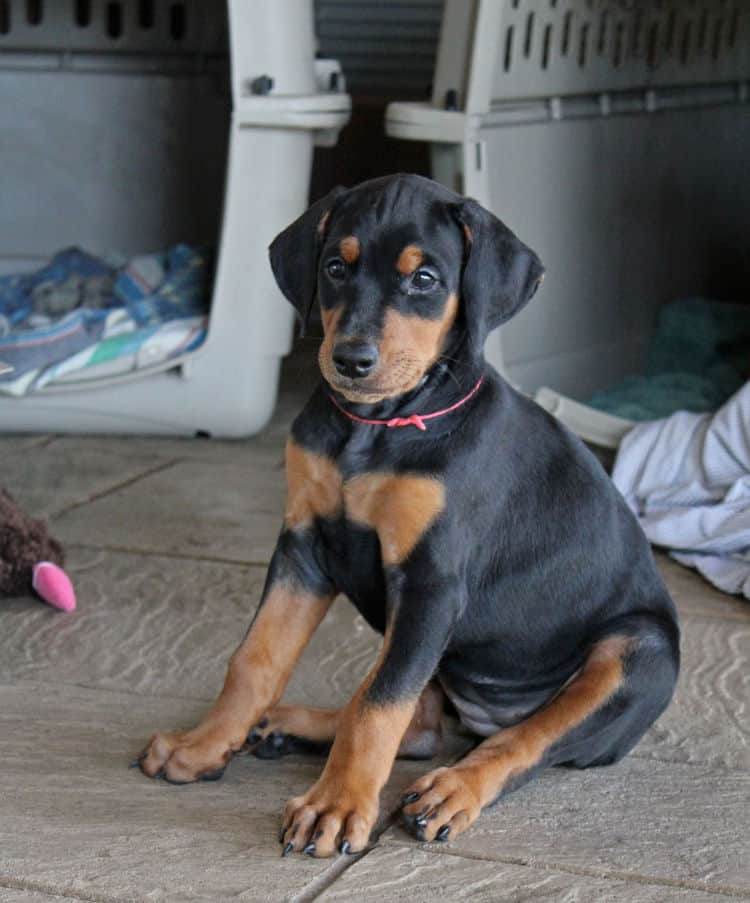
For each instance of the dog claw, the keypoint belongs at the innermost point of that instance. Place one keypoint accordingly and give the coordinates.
(309, 849)
(410, 798)
(287, 849)
(442, 834)
(345, 847)
(136, 763)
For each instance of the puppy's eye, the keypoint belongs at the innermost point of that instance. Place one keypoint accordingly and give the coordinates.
(423, 280)
(336, 268)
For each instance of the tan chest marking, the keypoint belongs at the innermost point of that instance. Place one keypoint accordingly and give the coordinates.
(313, 487)
(399, 507)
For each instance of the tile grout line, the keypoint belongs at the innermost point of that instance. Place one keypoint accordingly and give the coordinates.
(719, 890)
(46, 441)
(33, 444)
(331, 875)
(165, 465)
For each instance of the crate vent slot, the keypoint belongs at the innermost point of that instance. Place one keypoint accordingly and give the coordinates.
(177, 21)
(718, 31)
(546, 45)
(700, 41)
(601, 41)
(583, 45)
(34, 12)
(734, 23)
(618, 51)
(567, 22)
(146, 14)
(82, 13)
(636, 34)
(687, 33)
(114, 20)
(652, 48)
(529, 35)
(669, 32)
(508, 60)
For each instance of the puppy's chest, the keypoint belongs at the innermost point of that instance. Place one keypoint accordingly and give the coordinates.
(398, 507)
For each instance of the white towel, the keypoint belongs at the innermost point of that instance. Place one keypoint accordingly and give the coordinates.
(687, 478)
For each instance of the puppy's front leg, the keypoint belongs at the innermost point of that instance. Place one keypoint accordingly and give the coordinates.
(295, 600)
(340, 809)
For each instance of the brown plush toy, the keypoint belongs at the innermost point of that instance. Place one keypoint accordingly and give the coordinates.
(30, 558)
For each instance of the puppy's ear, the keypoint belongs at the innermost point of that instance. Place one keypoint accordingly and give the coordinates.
(294, 255)
(500, 273)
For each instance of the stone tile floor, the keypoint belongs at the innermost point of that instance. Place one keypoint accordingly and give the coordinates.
(167, 543)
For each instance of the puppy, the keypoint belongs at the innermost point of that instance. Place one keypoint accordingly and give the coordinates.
(467, 526)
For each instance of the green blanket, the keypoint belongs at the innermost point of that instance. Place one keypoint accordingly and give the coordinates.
(698, 356)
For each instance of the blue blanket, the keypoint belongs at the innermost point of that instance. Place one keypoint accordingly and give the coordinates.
(49, 316)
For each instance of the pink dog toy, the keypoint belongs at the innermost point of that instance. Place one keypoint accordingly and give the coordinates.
(53, 585)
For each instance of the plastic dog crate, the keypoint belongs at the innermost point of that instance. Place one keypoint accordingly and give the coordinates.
(115, 117)
(614, 138)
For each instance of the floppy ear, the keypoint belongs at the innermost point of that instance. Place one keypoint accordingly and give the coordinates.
(500, 273)
(294, 255)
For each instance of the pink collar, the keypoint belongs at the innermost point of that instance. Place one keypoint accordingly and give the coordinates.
(416, 420)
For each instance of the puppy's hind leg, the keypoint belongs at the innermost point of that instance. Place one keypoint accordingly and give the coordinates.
(625, 683)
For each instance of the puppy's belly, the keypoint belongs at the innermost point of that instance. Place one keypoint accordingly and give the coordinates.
(485, 710)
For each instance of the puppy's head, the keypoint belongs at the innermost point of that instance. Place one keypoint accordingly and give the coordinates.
(403, 270)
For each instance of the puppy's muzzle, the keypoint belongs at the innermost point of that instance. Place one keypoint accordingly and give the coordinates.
(355, 359)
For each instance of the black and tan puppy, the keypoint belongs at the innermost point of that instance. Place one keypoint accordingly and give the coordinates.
(467, 526)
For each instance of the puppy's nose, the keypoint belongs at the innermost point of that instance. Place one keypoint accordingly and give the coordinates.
(355, 359)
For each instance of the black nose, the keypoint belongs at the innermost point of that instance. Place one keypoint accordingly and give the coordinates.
(355, 359)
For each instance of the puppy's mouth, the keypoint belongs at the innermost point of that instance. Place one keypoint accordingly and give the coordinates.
(358, 390)
(371, 389)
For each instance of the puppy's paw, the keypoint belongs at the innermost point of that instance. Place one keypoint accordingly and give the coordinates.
(183, 757)
(440, 805)
(329, 818)
(287, 729)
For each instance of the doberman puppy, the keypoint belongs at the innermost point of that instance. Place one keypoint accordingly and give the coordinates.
(467, 526)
